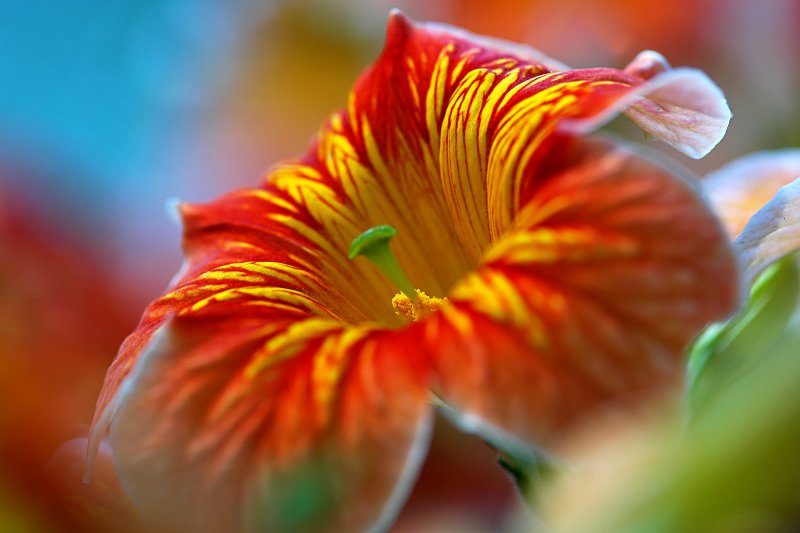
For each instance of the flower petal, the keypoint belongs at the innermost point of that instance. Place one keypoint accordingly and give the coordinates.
(498, 118)
(216, 235)
(228, 424)
(742, 187)
(495, 123)
(681, 106)
(614, 266)
(772, 233)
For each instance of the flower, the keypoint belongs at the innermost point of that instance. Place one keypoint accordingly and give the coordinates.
(758, 199)
(274, 388)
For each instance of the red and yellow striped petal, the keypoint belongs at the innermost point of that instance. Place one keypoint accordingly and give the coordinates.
(612, 267)
(234, 424)
(495, 125)
(237, 253)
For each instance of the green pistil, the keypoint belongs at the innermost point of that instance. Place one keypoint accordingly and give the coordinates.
(374, 245)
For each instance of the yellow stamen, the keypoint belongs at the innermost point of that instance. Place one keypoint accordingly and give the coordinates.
(417, 309)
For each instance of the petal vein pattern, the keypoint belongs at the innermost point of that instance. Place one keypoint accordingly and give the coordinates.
(591, 296)
(275, 431)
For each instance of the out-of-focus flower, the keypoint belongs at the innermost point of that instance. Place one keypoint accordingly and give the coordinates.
(273, 387)
(773, 233)
(742, 187)
(60, 319)
(761, 191)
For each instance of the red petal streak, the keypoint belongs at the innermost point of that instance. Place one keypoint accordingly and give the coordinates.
(232, 426)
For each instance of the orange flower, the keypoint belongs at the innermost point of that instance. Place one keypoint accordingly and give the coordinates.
(274, 387)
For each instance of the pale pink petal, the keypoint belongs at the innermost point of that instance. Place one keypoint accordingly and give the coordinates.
(681, 107)
(742, 187)
(772, 233)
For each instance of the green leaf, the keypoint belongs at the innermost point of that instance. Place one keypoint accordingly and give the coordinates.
(725, 352)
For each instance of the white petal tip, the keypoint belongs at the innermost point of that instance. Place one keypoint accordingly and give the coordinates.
(683, 108)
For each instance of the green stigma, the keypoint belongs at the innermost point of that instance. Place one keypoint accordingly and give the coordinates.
(374, 245)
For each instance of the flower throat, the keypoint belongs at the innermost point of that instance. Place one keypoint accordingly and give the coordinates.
(410, 303)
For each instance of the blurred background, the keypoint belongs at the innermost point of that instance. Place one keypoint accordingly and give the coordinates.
(110, 108)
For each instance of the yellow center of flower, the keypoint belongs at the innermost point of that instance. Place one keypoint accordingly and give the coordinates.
(410, 303)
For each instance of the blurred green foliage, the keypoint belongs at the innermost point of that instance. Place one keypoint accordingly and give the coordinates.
(726, 352)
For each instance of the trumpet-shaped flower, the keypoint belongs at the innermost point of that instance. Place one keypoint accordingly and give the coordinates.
(280, 385)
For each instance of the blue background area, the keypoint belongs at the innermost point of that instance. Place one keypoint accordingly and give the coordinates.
(95, 80)
(97, 100)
